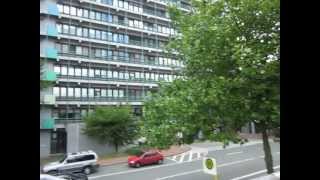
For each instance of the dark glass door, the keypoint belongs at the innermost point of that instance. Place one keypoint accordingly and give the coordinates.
(58, 141)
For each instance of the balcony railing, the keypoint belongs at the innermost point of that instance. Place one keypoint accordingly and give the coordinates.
(67, 120)
(102, 99)
(109, 79)
(118, 59)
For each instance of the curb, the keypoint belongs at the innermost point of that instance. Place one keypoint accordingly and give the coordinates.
(124, 162)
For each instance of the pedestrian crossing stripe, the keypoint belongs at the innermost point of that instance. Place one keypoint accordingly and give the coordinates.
(191, 155)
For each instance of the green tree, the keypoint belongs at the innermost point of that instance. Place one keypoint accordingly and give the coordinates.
(113, 125)
(230, 49)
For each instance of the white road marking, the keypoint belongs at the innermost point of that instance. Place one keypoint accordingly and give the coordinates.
(171, 159)
(238, 152)
(182, 157)
(277, 174)
(252, 174)
(190, 155)
(198, 154)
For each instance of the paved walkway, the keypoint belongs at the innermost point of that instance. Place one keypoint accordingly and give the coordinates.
(274, 176)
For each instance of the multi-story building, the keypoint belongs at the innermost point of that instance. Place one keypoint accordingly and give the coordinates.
(99, 52)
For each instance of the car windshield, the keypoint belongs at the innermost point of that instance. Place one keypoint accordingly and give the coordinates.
(64, 157)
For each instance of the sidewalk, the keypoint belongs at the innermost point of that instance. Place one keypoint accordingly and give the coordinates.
(174, 150)
(274, 176)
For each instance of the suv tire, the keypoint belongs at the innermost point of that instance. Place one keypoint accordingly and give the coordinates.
(87, 170)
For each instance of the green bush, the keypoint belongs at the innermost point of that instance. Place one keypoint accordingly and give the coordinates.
(134, 151)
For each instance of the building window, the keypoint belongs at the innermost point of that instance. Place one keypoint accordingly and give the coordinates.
(98, 16)
(97, 92)
(103, 92)
(85, 32)
(78, 50)
(92, 33)
(85, 51)
(79, 31)
(65, 29)
(115, 93)
(92, 15)
(60, 8)
(97, 53)
(103, 73)
(85, 13)
(91, 92)
(59, 28)
(97, 73)
(84, 92)
(64, 70)
(72, 30)
(56, 91)
(91, 73)
(109, 92)
(98, 34)
(63, 91)
(109, 18)
(57, 69)
(115, 37)
(71, 71)
(109, 36)
(66, 9)
(104, 35)
(79, 12)
(77, 71)
(109, 74)
(84, 72)
(77, 92)
(73, 11)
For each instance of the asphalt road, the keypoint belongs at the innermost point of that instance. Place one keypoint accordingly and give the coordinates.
(234, 163)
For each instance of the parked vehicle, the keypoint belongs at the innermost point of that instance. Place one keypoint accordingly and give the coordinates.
(85, 162)
(145, 158)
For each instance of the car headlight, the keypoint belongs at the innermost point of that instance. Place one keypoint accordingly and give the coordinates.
(131, 162)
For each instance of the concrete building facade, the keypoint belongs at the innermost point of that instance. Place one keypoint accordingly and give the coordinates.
(99, 52)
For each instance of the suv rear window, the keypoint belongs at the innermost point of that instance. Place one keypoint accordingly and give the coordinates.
(88, 157)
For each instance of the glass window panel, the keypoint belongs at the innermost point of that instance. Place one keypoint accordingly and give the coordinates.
(77, 71)
(85, 13)
(130, 22)
(98, 52)
(85, 51)
(130, 7)
(109, 92)
(126, 75)
(66, 9)
(137, 75)
(103, 53)
(98, 34)
(79, 12)
(73, 11)
(97, 72)
(84, 72)
(109, 36)
(77, 92)
(120, 3)
(97, 92)
(109, 18)
(57, 69)
(103, 73)
(92, 15)
(84, 92)
(140, 10)
(79, 50)
(121, 75)
(115, 3)
(63, 91)
(126, 39)
(71, 71)
(115, 74)
(56, 91)
(79, 31)
(91, 73)
(60, 8)
(98, 16)
(59, 28)
(136, 9)
(115, 93)
(72, 30)
(64, 70)
(121, 38)
(126, 5)
(85, 32)
(109, 74)
(65, 48)
(91, 92)
(92, 33)
(104, 35)
(115, 37)
(121, 93)
(70, 92)
(65, 29)
(103, 92)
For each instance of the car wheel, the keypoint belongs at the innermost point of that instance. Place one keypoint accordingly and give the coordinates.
(137, 165)
(53, 172)
(160, 161)
(87, 170)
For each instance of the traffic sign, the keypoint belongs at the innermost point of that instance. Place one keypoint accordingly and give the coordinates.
(209, 166)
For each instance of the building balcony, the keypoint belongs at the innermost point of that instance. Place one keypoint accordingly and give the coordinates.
(146, 13)
(105, 80)
(117, 60)
(168, 2)
(49, 8)
(47, 99)
(131, 100)
(49, 76)
(131, 43)
(50, 53)
(47, 123)
(119, 24)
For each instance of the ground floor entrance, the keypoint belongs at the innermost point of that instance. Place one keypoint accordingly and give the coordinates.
(58, 141)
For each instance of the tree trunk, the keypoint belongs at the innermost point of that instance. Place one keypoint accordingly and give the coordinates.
(267, 152)
(116, 147)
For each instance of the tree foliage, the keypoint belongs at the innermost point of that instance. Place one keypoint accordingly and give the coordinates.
(231, 52)
(113, 125)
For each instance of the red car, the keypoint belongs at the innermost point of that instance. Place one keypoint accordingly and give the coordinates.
(145, 158)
